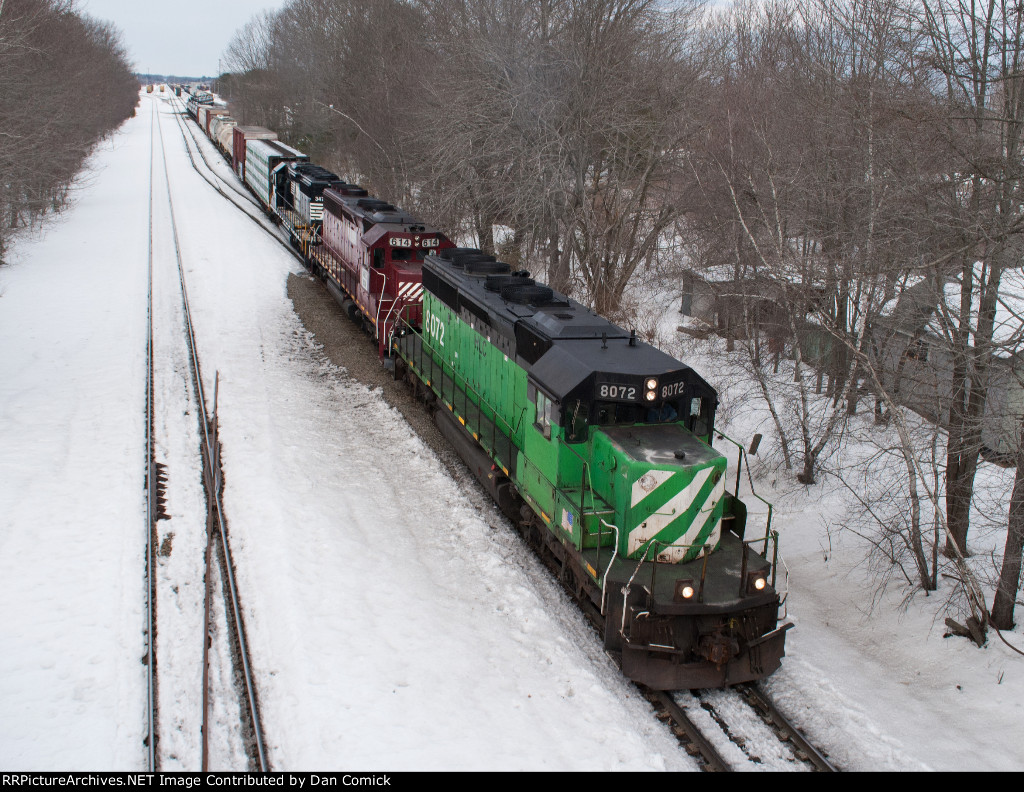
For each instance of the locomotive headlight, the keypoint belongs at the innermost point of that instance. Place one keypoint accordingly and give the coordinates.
(650, 395)
(652, 384)
(686, 591)
(757, 582)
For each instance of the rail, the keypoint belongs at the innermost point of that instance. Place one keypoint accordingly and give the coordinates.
(710, 755)
(210, 444)
(759, 699)
(151, 486)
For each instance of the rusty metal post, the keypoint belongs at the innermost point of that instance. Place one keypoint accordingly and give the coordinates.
(703, 573)
(743, 571)
(207, 639)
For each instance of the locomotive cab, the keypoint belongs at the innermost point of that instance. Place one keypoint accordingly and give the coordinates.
(687, 599)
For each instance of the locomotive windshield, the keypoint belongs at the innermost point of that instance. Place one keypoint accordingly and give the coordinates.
(695, 413)
(407, 254)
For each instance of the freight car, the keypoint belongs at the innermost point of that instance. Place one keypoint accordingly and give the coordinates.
(198, 100)
(266, 172)
(598, 446)
(221, 133)
(240, 137)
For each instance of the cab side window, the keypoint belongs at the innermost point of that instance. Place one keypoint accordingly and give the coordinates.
(698, 418)
(544, 412)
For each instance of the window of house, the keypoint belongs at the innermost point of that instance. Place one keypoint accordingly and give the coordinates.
(918, 350)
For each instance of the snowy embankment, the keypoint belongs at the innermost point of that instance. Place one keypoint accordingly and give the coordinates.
(390, 625)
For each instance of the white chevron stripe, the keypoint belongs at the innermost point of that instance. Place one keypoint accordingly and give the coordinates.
(701, 519)
(676, 552)
(410, 291)
(648, 483)
(681, 547)
(653, 525)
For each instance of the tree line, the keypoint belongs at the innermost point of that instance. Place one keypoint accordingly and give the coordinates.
(65, 82)
(847, 172)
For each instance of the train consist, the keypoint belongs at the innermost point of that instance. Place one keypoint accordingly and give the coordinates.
(596, 445)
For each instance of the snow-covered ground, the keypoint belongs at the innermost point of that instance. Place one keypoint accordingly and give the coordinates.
(391, 625)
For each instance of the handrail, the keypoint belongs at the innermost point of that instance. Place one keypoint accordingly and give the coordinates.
(383, 285)
(391, 310)
(739, 472)
(705, 547)
(584, 473)
(626, 589)
(615, 552)
(485, 407)
(483, 403)
(400, 320)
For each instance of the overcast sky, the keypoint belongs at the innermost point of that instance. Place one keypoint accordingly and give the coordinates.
(183, 37)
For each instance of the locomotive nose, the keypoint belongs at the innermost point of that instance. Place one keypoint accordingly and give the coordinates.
(672, 504)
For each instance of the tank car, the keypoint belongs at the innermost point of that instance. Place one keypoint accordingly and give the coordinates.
(598, 446)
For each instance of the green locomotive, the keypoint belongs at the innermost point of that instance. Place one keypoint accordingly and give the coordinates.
(598, 446)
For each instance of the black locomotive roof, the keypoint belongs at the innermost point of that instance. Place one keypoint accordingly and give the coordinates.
(396, 217)
(313, 179)
(311, 173)
(560, 342)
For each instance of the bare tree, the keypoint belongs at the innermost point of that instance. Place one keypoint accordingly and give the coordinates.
(565, 122)
(976, 51)
(64, 83)
(810, 178)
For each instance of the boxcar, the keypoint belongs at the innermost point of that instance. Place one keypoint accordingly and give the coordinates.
(240, 135)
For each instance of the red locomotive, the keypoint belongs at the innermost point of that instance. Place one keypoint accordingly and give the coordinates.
(373, 253)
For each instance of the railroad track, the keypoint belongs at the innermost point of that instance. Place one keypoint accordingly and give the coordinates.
(152, 493)
(737, 728)
(202, 557)
(188, 133)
